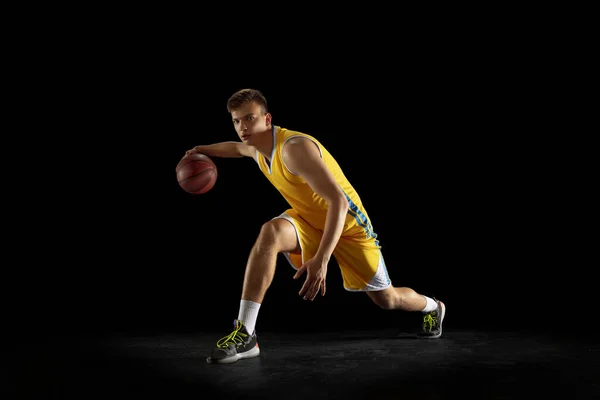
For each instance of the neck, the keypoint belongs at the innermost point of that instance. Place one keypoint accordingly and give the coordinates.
(264, 143)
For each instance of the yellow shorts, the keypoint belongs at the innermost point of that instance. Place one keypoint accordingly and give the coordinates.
(360, 260)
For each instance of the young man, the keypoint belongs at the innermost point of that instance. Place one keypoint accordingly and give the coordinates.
(327, 218)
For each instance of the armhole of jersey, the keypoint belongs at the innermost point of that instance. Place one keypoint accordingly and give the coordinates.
(312, 140)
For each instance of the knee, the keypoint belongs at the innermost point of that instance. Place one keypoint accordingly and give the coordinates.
(386, 304)
(383, 299)
(269, 233)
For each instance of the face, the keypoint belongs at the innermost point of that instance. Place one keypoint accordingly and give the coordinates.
(249, 121)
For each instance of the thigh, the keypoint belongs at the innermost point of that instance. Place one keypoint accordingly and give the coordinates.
(362, 265)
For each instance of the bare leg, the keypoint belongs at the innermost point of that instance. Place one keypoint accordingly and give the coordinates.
(398, 298)
(278, 235)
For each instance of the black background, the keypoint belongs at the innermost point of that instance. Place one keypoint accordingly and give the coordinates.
(441, 137)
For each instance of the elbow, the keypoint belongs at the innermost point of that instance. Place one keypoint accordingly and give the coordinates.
(342, 203)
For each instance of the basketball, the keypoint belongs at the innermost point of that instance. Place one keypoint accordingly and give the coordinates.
(196, 173)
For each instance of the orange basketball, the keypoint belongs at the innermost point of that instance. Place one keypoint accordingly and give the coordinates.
(196, 173)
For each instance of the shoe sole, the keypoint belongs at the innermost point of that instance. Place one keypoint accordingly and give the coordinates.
(441, 322)
(255, 352)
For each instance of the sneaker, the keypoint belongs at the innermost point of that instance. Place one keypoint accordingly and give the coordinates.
(235, 346)
(432, 322)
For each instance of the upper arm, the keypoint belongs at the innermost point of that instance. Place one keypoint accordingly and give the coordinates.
(302, 156)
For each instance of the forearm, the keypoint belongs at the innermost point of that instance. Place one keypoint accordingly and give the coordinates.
(223, 149)
(334, 225)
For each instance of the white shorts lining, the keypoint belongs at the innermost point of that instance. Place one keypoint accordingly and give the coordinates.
(379, 281)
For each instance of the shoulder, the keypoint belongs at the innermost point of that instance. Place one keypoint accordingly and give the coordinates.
(299, 145)
(299, 152)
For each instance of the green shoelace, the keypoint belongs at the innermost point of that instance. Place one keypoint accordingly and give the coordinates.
(236, 337)
(429, 321)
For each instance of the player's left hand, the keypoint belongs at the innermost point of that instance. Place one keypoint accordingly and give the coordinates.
(316, 271)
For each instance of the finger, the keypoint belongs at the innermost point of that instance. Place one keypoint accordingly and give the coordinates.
(309, 291)
(323, 289)
(305, 287)
(315, 292)
(300, 271)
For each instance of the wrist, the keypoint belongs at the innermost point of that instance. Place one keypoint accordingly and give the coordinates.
(322, 257)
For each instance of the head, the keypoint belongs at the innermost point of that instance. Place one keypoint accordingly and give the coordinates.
(249, 113)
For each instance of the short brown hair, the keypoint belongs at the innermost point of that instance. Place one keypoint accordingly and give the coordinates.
(244, 96)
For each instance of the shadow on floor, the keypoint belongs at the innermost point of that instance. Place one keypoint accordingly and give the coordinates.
(348, 365)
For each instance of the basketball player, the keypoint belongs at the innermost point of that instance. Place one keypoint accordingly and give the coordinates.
(326, 218)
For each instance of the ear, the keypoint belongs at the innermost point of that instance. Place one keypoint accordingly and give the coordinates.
(268, 118)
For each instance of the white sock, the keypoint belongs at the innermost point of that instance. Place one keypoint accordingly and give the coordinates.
(248, 314)
(430, 306)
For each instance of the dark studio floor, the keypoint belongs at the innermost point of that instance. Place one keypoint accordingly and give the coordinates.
(345, 365)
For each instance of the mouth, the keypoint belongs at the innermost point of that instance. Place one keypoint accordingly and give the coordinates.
(244, 137)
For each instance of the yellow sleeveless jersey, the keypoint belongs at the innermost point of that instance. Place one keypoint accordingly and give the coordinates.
(301, 197)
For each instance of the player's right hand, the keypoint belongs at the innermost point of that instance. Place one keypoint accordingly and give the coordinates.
(191, 151)
(316, 272)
